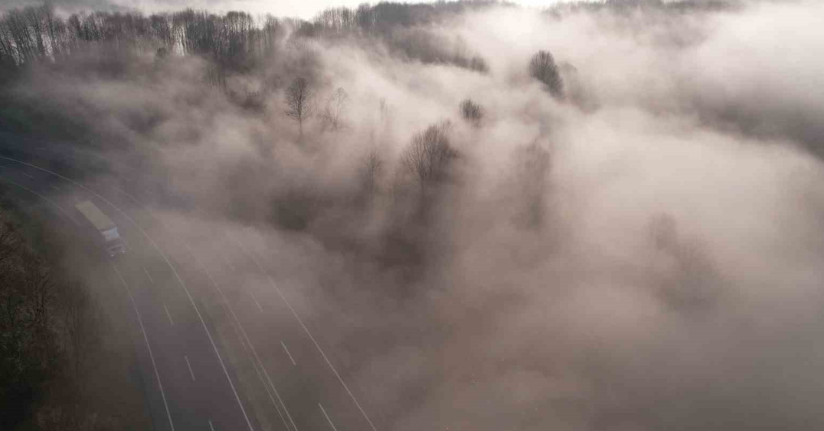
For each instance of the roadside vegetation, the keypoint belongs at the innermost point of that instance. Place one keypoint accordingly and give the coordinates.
(60, 360)
(471, 199)
(269, 69)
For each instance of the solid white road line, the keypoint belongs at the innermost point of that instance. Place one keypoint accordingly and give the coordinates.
(191, 373)
(174, 271)
(148, 275)
(214, 346)
(198, 312)
(211, 427)
(148, 346)
(305, 329)
(287, 353)
(55, 187)
(61, 210)
(29, 176)
(169, 315)
(259, 365)
(327, 417)
(256, 301)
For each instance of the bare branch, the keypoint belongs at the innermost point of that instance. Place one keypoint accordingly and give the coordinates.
(299, 101)
(543, 68)
(333, 113)
(429, 154)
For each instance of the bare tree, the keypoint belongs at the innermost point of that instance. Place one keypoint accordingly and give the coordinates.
(429, 155)
(370, 172)
(543, 68)
(299, 101)
(471, 112)
(332, 116)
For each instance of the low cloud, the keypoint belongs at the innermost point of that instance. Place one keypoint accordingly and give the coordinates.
(639, 255)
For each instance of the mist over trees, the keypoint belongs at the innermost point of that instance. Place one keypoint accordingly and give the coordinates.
(300, 99)
(52, 335)
(235, 42)
(471, 112)
(429, 155)
(503, 218)
(334, 113)
(543, 68)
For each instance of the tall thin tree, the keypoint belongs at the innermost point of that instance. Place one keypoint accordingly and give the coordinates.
(299, 101)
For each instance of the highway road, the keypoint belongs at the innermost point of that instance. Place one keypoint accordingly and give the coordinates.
(223, 343)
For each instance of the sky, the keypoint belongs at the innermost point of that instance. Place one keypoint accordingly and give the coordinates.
(291, 8)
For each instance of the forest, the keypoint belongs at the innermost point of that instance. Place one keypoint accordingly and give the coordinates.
(237, 42)
(592, 215)
(58, 353)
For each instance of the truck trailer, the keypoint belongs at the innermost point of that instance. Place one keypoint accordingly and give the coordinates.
(106, 230)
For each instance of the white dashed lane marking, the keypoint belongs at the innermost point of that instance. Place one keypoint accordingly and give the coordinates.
(188, 364)
(256, 301)
(287, 353)
(169, 315)
(327, 417)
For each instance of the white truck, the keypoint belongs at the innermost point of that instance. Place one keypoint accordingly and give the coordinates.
(106, 229)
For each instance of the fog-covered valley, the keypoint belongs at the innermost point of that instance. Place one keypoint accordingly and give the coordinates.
(465, 215)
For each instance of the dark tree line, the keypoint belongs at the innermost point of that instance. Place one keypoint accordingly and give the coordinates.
(50, 339)
(628, 6)
(236, 41)
(401, 26)
(385, 17)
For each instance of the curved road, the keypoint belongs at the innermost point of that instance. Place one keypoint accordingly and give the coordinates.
(224, 345)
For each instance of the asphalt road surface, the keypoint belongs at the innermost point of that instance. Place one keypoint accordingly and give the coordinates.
(182, 288)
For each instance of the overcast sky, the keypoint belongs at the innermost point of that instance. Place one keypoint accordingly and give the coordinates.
(294, 8)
